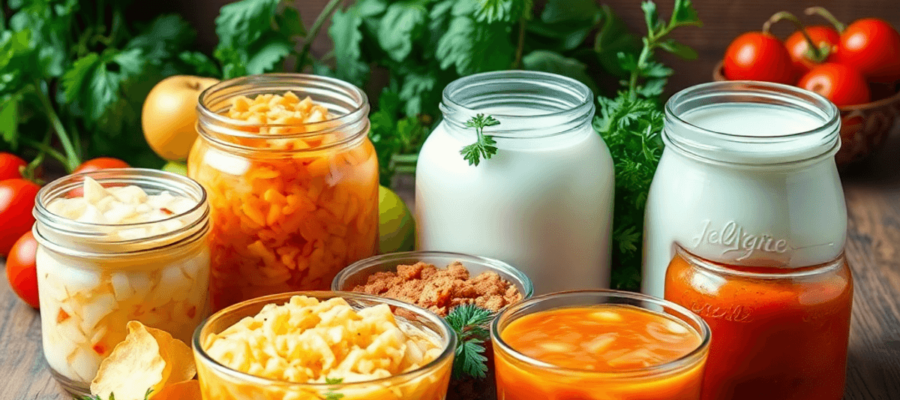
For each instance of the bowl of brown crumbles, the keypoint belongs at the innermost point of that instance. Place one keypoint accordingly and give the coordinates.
(466, 290)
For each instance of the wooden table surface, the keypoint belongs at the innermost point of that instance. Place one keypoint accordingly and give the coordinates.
(873, 249)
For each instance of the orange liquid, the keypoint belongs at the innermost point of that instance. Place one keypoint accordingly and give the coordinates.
(775, 339)
(601, 348)
(289, 223)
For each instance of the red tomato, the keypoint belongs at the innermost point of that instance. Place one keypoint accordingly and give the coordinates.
(825, 37)
(872, 47)
(843, 85)
(100, 163)
(758, 56)
(11, 166)
(16, 203)
(20, 269)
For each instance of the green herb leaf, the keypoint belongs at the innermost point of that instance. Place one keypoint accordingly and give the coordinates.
(472, 47)
(549, 61)
(683, 51)
(469, 322)
(490, 11)
(417, 91)
(652, 87)
(654, 69)
(49, 25)
(164, 38)
(473, 362)
(484, 145)
(402, 21)
(345, 32)
(569, 10)
(9, 121)
(234, 62)
(200, 63)
(273, 51)
(243, 22)
(651, 16)
(330, 394)
(290, 23)
(683, 13)
(112, 396)
(614, 38)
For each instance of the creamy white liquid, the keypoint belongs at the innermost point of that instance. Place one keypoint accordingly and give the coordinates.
(748, 119)
(544, 207)
(793, 214)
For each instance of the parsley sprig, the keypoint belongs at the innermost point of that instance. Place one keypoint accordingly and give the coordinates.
(469, 321)
(112, 396)
(631, 124)
(331, 394)
(484, 144)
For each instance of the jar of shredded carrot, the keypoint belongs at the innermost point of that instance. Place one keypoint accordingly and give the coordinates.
(292, 180)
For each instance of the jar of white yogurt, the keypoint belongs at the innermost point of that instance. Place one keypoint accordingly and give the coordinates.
(115, 246)
(747, 179)
(543, 202)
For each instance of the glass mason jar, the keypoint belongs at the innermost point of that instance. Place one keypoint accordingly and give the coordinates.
(429, 382)
(520, 377)
(543, 203)
(288, 210)
(92, 280)
(461, 387)
(747, 213)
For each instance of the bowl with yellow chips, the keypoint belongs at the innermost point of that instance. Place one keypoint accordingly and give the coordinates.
(324, 345)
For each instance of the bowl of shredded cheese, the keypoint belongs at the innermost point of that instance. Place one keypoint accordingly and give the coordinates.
(324, 345)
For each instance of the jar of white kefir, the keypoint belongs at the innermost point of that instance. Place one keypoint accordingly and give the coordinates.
(115, 246)
(747, 179)
(543, 202)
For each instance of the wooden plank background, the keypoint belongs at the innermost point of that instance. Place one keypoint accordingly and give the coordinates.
(723, 21)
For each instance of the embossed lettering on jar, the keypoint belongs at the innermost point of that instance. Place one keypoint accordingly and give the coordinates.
(745, 226)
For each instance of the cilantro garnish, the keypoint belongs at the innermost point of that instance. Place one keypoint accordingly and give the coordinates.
(331, 394)
(484, 145)
(468, 321)
(112, 396)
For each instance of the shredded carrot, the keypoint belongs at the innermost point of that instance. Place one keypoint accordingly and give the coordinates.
(291, 222)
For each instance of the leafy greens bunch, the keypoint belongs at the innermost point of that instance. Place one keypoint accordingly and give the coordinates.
(419, 46)
(74, 74)
(77, 73)
(631, 124)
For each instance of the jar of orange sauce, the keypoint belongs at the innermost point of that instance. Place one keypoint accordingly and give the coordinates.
(745, 226)
(292, 180)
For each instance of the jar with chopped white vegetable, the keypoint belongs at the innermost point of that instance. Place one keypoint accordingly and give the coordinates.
(115, 246)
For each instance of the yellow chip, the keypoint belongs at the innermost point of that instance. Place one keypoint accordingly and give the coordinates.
(179, 359)
(134, 365)
(188, 390)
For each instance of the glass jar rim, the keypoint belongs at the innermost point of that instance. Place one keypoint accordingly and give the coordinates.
(563, 96)
(448, 336)
(683, 361)
(710, 145)
(210, 118)
(59, 187)
(777, 274)
(523, 280)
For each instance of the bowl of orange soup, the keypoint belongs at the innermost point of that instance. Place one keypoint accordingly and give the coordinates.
(599, 345)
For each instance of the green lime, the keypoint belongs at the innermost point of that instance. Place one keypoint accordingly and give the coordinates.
(175, 168)
(396, 227)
